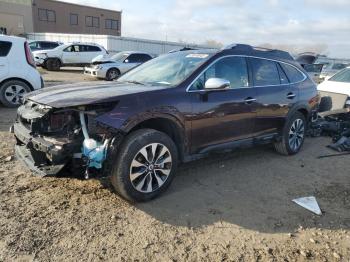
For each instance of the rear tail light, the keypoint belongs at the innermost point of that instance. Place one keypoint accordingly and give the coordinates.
(29, 56)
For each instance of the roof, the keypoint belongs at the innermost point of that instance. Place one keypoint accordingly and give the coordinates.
(258, 51)
(11, 38)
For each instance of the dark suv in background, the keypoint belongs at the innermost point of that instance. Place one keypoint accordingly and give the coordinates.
(175, 108)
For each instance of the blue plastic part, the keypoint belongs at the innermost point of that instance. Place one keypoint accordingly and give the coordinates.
(96, 156)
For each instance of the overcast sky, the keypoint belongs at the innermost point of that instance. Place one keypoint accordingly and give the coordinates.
(309, 24)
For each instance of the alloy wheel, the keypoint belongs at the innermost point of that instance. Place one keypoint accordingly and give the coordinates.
(296, 134)
(150, 168)
(113, 74)
(14, 93)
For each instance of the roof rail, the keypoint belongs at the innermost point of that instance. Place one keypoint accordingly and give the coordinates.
(182, 49)
(257, 50)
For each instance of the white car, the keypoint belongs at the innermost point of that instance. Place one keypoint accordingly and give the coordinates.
(338, 88)
(111, 68)
(18, 74)
(73, 54)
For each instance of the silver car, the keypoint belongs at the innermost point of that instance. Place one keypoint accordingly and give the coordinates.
(111, 68)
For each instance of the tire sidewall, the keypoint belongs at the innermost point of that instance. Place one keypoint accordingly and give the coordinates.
(108, 78)
(53, 64)
(120, 172)
(287, 128)
(5, 85)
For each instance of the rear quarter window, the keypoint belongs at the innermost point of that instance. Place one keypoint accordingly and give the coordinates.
(293, 74)
(5, 48)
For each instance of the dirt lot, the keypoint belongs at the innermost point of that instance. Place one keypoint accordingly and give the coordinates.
(231, 207)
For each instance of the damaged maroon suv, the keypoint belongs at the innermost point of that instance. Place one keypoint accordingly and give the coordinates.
(173, 109)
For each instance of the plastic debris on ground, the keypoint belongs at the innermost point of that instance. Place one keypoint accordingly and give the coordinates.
(309, 203)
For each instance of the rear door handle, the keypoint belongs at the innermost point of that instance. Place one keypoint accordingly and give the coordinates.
(249, 100)
(291, 95)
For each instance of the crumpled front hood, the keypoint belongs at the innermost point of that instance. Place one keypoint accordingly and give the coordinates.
(86, 93)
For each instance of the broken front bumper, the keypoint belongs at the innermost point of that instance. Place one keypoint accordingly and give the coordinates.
(45, 158)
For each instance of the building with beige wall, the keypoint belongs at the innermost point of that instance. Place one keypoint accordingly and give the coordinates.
(59, 17)
(19, 17)
(16, 17)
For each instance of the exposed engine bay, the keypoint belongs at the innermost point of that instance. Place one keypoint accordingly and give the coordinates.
(50, 139)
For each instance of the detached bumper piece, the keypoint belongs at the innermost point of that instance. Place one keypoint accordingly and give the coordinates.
(26, 156)
(44, 158)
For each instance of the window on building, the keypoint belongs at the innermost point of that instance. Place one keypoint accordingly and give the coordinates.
(111, 24)
(73, 19)
(96, 22)
(92, 21)
(46, 15)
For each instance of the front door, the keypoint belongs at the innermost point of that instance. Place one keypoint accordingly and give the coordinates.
(71, 55)
(221, 116)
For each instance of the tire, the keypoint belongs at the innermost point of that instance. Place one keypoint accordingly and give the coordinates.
(53, 64)
(135, 181)
(112, 74)
(12, 91)
(287, 147)
(325, 104)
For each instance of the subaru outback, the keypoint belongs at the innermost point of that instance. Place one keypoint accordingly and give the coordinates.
(173, 109)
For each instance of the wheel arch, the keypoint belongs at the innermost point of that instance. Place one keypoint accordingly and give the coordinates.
(168, 125)
(17, 79)
(54, 57)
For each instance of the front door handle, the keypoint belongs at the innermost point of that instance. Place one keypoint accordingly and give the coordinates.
(291, 95)
(249, 100)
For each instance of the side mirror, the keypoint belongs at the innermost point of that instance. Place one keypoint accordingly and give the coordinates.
(126, 61)
(217, 84)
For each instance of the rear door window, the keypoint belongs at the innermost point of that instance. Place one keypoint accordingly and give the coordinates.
(265, 72)
(91, 48)
(5, 48)
(293, 74)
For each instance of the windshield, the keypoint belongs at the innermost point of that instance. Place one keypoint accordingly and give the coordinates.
(342, 76)
(170, 69)
(119, 57)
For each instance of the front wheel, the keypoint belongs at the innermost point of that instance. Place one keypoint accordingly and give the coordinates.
(112, 74)
(145, 166)
(293, 135)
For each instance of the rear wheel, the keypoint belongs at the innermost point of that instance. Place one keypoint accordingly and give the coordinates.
(112, 74)
(53, 64)
(145, 165)
(293, 135)
(11, 92)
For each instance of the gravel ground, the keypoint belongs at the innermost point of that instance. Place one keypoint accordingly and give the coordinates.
(229, 207)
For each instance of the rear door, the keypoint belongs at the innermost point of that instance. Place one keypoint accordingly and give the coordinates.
(275, 95)
(89, 53)
(5, 48)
